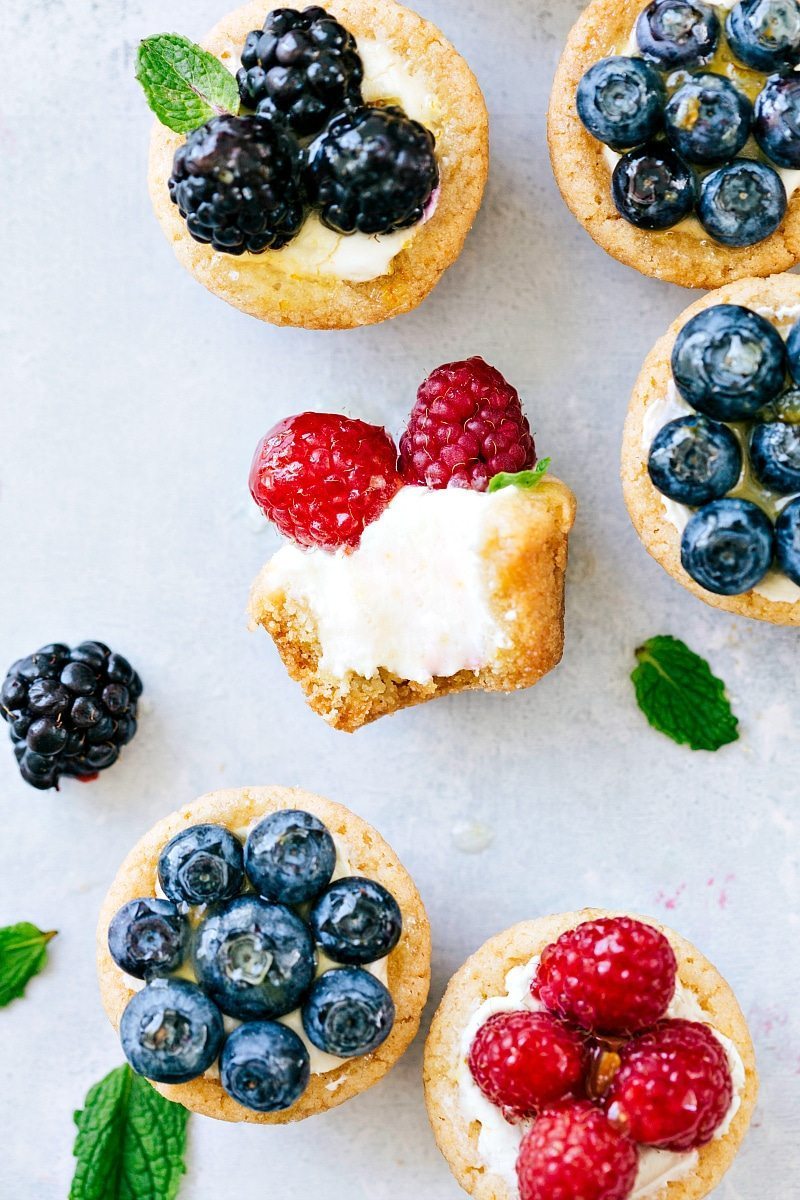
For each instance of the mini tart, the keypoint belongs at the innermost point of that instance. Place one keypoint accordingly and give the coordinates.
(254, 283)
(483, 976)
(369, 855)
(645, 504)
(525, 560)
(583, 176)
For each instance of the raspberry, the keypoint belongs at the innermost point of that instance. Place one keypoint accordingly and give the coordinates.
(614, 976)
(522, 1061)
(673, 1088)
(322, 478)
(466, 426)
(571, 1152)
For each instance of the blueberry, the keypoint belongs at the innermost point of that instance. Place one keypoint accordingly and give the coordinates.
(775, 445)
(727, 546)
(621, 101)
(255, 959)
(765, 34)
(694, 460)
(348, 1013)
(171, 1032)
(742, 202)
(356, 921)
(728, 362)
(787, 541)
(708, 120)
(777, 120)
(264, 1066)
(677, 33)
(793, 351)
(289, 856)
(201, 865)
(148, 937)
(653, 188)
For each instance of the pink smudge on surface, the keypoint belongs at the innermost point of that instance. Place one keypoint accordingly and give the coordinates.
(670, 900)
(723, 898)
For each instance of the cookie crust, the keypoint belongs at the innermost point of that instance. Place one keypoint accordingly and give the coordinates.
(369, 854)
(645, 505)
(526, 560)
(584, 179)
(483, 975)
(251, 282)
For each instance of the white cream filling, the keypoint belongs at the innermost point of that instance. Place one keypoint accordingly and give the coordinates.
(499, 1141)
(413, 598)
(321, 1062)
(319, 252)
(775, 586)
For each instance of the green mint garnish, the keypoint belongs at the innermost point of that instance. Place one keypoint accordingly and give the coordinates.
(131, 1141)
(680, 697)
(520, 479)
(185, 85)
(23, 953)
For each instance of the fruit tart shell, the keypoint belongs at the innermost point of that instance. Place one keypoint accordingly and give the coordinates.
(645, 504)
(252, 282)
(583, 176)
(483, 976)
(408, 964)
(525, 561)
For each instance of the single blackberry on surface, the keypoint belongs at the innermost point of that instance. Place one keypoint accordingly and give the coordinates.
(373, 170)
(236, 182)
(69, 712)
(304, 66)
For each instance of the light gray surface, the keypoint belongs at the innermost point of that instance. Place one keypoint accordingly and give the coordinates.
(132, 401)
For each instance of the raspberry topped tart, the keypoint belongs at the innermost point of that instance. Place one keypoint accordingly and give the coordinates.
(335, 178)
(589, 1056)
(711, 450)
(674, 132)
(264, 955)
(410, 573)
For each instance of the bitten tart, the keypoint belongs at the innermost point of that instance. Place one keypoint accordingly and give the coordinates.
(355, 235)
(264, 955)
(586, 1029)
(673, 131)
(412, 574)
(711, 454)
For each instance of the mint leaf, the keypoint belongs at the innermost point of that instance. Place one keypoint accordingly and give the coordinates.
(130, 1143)
(680, 697)
(23, 953)
(520, 479)
(185, 85)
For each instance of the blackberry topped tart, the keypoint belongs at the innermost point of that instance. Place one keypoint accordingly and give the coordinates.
(589, 1056)
(264, 955)
(711, 449)
(414, 571)
(674, 130)
(327, 165)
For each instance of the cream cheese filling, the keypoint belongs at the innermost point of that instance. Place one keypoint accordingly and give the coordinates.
(499, 1141)
(775, 586)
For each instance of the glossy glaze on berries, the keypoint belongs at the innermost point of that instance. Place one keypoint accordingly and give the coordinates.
(765, 34)
(69, 711)
(708, 119)
(290, 856)
(693, 460)
(356, 921)
(148, 938)
(620, 100)
(787, 541)
(171, 1031)
(727, 546)
(572, 1152)
(348, 1013)
(201, 865)
(264, 1066)
(742, 202)
(524, 1061)
(776, 124)
(675, 34)
(652, 187)
(775, 445)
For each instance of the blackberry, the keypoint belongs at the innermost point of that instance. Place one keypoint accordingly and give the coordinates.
(236, 182)
(373, 170)
(69, 712)
(303, 66)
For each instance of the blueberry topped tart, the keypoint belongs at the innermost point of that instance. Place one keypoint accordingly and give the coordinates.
(711, 452)
(318, 166)
(674, 132)
(257, 949)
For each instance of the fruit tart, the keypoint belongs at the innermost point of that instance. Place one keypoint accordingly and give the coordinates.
(589, 1056)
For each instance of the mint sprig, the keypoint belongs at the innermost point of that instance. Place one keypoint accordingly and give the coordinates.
(131, 1142)
(184, 85)
(520, 479)
(680, 697)
(23, 953)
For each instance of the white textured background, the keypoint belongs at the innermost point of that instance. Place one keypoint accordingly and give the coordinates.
(132, 401)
